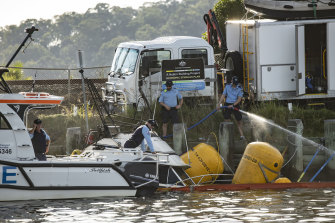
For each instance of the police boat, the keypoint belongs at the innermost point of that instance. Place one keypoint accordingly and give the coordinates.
(23, 177)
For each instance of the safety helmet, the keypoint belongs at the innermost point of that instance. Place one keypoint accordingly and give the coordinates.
(169, 83)
(234, 80)
(152, 122)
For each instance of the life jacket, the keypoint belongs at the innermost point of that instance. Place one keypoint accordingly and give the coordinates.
(39, 141)
(138, 137)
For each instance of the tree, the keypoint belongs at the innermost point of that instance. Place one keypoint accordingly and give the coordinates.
(15, 73)
(98, 32)
(228, 9)
(107, 50)
(146, 32)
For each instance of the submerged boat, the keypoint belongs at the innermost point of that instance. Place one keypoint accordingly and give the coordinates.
(292, 10)
(165, 167)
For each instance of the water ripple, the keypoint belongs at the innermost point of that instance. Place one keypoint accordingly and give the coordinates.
(294, 205)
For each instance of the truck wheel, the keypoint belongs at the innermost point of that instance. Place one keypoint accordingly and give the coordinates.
(233, 61)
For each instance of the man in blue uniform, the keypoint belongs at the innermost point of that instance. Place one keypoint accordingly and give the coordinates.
(40, 140)
(141, 133)
(169, 102)
(232, 96)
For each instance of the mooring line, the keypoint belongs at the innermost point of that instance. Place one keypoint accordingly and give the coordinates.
(310, 162)
(323, 166)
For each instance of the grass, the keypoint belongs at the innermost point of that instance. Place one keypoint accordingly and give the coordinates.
(56, 124)
(312, 119)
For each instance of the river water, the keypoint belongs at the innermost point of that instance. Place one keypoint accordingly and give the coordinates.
(293, 205)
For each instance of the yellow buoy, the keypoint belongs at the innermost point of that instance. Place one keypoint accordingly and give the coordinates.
(283, 180)
(260, 163)
(204, 160)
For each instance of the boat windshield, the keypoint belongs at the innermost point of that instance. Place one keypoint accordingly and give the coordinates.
(124, 62)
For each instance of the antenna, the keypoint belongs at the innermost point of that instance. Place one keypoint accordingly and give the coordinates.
(33, 86)
(81, 71)
(80, 59)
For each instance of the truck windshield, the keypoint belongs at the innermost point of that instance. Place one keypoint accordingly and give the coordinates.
(124, 62)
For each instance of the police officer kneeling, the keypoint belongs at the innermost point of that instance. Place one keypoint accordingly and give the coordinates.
(141, 133)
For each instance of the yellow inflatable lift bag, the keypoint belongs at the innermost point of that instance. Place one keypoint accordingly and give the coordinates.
(204, 160)
(260, 163)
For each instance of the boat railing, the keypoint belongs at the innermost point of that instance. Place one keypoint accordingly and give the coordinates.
(158, 161)
(35, 94)
(160, 157)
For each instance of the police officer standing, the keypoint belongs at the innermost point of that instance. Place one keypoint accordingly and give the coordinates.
(141, 133)
(232, 96)
(169, 102)
(40, 140)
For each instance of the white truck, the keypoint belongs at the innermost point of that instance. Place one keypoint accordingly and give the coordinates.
(136, 69)
(284, 60)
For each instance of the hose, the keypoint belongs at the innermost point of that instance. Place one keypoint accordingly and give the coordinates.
(202, 120)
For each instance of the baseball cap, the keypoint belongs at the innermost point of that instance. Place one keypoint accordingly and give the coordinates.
(152, 122)
(37, 121)
(235, 80)
(169, 83)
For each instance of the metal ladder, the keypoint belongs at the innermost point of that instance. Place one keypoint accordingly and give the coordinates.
(100, 107)
(245, 57)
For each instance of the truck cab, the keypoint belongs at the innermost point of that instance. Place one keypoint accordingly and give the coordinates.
(136, 75)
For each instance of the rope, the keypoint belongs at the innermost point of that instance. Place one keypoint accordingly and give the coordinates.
(323, 166)
(310, 162)
(217, 144)
(188, 154)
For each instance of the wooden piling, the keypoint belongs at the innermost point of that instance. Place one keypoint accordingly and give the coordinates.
(329, 133)
(179, 142)
(226, 140)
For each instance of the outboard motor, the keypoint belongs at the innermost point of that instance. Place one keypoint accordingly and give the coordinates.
(144, 174)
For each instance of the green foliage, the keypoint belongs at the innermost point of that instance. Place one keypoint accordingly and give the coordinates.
(272, 110)
(228, 9)
(56, 125)
(15, 73)
(312, 119)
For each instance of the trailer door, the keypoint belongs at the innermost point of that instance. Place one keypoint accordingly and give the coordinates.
(300, 59)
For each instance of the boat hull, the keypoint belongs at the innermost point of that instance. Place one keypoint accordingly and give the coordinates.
(61, 179)
(15, 194)
(284, 10)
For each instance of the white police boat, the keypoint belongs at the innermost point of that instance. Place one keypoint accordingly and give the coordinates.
(23, 177)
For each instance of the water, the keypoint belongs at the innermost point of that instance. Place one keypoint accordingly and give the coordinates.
(294, 205)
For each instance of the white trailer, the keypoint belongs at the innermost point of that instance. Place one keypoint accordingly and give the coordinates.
(136, 67)
(284, 60)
